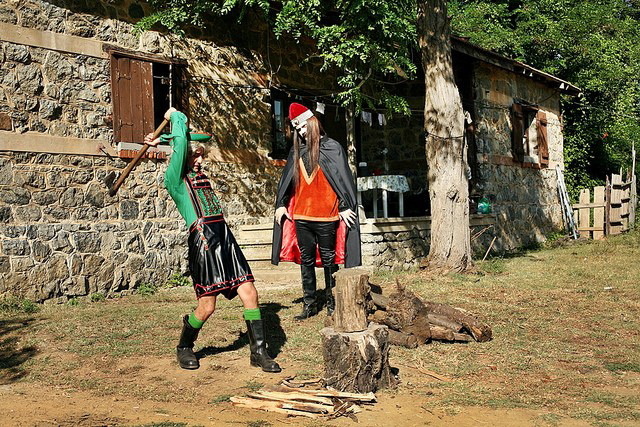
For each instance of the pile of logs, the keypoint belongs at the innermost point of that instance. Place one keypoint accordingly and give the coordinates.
(295, 398)
(412, 321)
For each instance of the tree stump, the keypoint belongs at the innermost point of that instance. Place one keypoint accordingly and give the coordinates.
(356, 356)
(351, 294)
(357, 362)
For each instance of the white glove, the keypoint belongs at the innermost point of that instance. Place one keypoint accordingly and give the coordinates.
(167, 114)
(280, 212)
(349, 217)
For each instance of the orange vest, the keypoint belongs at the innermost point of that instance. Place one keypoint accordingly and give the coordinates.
(315, 200)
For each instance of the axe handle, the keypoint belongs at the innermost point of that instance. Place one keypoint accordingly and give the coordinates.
(133, 163)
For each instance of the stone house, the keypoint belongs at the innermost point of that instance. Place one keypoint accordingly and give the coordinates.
(79, 89)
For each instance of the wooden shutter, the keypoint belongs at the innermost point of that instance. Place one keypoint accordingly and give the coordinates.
(517, 132)
(543, 144)
(132, 90)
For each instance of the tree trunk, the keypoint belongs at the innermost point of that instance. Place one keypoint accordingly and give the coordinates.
(446, 148)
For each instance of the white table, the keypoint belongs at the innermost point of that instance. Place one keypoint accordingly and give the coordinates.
(396, 183)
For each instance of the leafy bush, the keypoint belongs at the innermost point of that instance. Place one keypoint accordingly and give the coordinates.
(13, 304)
(97, 297)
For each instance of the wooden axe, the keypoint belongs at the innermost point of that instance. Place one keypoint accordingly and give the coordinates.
(114, 184)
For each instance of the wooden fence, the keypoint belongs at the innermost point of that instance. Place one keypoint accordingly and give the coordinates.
(611, 211)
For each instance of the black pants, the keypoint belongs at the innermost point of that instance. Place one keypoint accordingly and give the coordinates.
(312, 234)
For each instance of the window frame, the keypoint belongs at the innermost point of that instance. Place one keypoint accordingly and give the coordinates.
(132, 74)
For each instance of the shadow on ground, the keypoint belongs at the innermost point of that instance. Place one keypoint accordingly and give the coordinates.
(276, 337)
(12, 355)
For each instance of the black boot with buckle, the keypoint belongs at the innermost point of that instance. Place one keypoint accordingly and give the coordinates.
(258, 347)
(186, 357)
(310, 307)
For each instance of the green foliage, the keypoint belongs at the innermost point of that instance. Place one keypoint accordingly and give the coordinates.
(147, 289)
(590, 43)
(18, 305)
(364, 41)
(97, 297)
(622, 367)
(221, 399)
(178, 280)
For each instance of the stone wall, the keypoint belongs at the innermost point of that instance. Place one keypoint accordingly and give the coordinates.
(526, 199)
(61, 235)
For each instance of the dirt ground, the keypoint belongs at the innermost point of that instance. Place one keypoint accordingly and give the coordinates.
(28, 404)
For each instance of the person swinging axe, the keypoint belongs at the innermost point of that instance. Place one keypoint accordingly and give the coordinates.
(216, 262)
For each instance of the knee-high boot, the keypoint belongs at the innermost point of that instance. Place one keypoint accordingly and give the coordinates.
(310, 307)
(186, 357)
(329, 284)
(257, 344)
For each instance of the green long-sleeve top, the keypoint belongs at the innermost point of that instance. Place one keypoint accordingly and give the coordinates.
(192, 192)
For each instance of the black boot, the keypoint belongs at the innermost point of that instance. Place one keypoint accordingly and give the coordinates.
(310, 307)
(258, 347)
(186, 357)
(329, 284)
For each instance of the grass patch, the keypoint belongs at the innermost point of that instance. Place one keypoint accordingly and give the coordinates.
(622, 367)
(18, 305)
(221, 399)
(253, 386)
(565, 322)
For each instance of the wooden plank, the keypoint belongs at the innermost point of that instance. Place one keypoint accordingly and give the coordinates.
(584, 214)
(589, 205)
(136, 100)
(148, 124)
(591, 229)
(37, 142)
(615, 218)
(124, 98)
(115, 98)
(50, 40)
(598, 212)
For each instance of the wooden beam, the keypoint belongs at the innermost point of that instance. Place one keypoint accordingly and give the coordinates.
(50, 40)
(43, 143)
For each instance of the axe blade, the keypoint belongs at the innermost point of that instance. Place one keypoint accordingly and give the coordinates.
(109, 180)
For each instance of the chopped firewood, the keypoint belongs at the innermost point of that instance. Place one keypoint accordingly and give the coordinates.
(291, 382)
(362, 397)
(305, 402)
(319, 408)
(291, 396)
(266, 405)
(444, 334)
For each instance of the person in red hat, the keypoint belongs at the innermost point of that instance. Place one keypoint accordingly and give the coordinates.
(216, 262)
(316, 209)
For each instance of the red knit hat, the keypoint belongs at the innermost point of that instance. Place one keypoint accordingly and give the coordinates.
(299, 114)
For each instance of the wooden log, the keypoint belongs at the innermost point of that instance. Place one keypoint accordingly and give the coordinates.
(403, 340)
(379, 300)
(351, 292)
(480, 331)
(440, 320)
(357, 361)
(445, 334)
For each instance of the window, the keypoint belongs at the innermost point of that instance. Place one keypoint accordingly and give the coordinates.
(142, 90)
(279, 112)
(529, 144)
